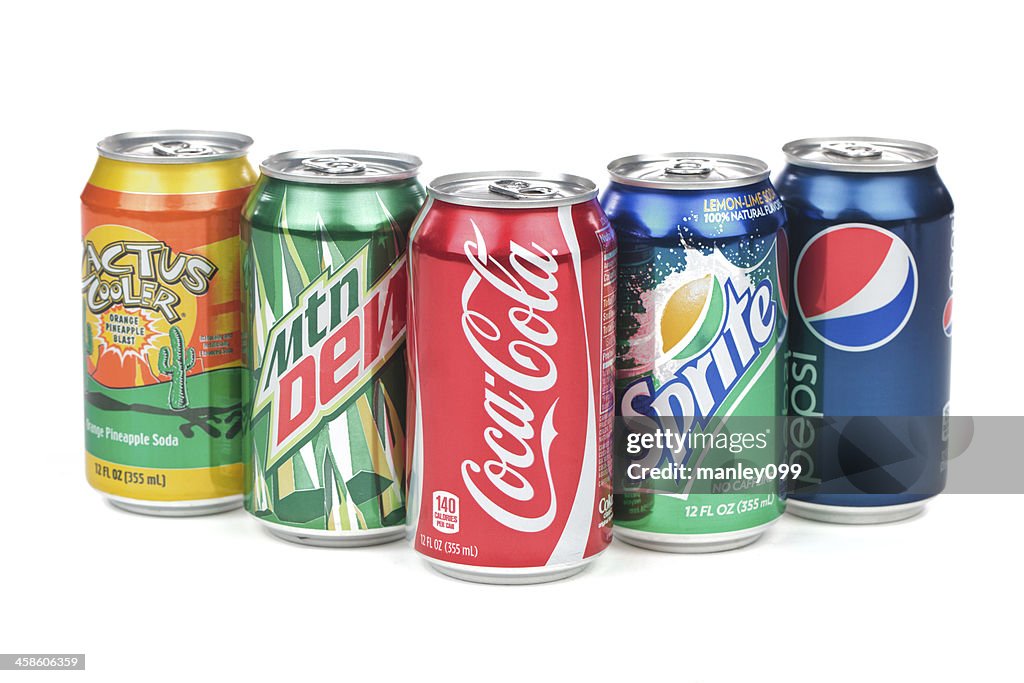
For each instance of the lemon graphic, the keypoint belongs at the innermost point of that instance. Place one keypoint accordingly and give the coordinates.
(683, 311)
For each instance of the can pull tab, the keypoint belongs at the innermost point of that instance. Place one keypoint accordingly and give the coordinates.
(853, 150)
(690, 167)
(180, 148)
(335, 165)
(521, 189)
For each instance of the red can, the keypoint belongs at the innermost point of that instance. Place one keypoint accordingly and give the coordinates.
(511, 347)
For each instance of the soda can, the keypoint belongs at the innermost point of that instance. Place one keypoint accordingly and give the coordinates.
(325, 279)
(701, 331)
(162, 320)
(869, 367)
(511, 346)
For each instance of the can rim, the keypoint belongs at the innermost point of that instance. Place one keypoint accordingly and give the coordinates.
(412, 161)
(762, 172)
(238, 142)
(588, 192)
(929, 155)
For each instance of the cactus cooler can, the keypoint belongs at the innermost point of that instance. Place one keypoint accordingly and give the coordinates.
(162, 310)
(325, 285)
(702, 286)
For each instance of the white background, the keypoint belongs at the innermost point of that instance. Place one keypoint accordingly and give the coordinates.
(556, 85)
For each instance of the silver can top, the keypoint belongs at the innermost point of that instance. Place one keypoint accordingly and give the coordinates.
(860, 154)
(512, 189)
(174, 146)
(688, 171)
(341, 166)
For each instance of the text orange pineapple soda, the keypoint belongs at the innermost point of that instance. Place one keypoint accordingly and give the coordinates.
(161, 312)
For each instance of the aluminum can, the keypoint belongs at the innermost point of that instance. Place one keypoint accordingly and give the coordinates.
(872, 231)
(162, 320)
(511, 346)
(325, 288)
(701, 331)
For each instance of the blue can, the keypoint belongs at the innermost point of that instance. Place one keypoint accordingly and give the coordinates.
(871, 233)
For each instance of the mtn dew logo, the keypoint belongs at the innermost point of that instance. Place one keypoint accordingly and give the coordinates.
(716, 328)
(340, 332)
(324, 275)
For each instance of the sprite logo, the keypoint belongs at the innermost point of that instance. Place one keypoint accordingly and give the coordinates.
(140, 275)
(340, 331)
(699, 388)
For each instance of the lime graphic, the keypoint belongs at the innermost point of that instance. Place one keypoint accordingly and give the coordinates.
(692, 317)
(683, 311)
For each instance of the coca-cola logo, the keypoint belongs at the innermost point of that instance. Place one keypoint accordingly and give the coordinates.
(506, 312)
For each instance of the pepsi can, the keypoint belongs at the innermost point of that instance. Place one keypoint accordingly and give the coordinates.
(871, 228)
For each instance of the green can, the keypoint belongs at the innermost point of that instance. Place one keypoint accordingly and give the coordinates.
(325, 283)
(703, 291)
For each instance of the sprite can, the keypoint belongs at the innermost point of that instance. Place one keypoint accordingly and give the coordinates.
(702, 317)
(161, 311)
(325, 282)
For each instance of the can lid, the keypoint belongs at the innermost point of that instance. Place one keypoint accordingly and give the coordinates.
(174, 146)
(341, 166)
(512, 189)
(860, 154)
(688, 170)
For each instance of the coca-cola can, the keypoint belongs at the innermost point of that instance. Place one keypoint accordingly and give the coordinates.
(511, 347)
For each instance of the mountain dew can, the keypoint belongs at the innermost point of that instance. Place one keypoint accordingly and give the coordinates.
(702, 291)
(325, 285)
(162, 312)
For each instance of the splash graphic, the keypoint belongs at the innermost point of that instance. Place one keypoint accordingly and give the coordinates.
(685, 302)
(128, 333)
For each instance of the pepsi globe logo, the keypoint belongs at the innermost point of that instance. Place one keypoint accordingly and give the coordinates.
(856, 286)
(947, 317)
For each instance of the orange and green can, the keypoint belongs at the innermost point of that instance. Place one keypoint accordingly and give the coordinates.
(162, 320)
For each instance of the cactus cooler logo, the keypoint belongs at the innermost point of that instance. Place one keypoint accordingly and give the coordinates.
(140, 275)
(148, 314)
(340, 332)
(134, 287)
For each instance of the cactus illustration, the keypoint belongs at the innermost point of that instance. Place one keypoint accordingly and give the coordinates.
(87, 344)
(184, 358)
